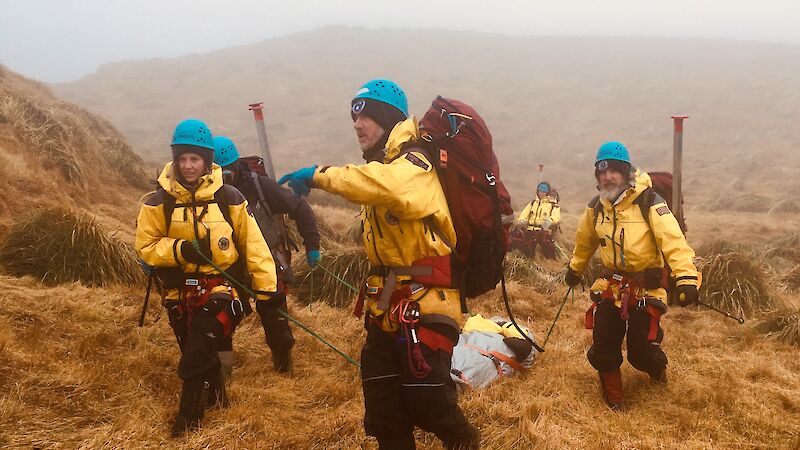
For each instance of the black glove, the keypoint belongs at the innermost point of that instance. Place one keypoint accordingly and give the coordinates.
(193, 256)
(686, 294)
(571, 277)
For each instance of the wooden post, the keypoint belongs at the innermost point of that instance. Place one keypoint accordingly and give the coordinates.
(261, 129)
(677, 167)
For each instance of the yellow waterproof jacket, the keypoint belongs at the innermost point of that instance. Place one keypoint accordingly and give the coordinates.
(535, 213)
(643, 244)
(195, 216)
(396, 196)
(478, 323)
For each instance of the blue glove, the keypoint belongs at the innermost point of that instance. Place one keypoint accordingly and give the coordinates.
(301, 181)
(313, 257)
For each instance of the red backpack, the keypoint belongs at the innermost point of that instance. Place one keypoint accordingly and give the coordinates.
(256, 164)
(459, 145)
(662, 185)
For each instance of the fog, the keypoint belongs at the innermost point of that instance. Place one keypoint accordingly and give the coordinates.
(55, 40)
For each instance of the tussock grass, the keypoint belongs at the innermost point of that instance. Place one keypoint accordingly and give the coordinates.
(733, 279)
(783, 326)
(348, 263)
(525, 271)
(787, 247)
(44, 132)
(792, 279)
(59, 245)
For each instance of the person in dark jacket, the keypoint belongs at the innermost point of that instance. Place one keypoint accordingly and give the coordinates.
(269, 202)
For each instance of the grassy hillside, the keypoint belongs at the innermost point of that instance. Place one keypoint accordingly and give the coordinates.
(54, 153)
(78, 373)
(548, 100)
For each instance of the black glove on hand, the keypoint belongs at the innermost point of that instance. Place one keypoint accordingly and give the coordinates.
(686, 294)
(571, 277)
(193, 256)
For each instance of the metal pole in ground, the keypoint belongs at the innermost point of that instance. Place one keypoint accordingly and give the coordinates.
(677, 167)
(261, 129)
(541, 173)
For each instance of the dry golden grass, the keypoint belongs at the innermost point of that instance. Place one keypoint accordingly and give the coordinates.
(54, 153)
(59, 245)
(734, 279)
(78, 373)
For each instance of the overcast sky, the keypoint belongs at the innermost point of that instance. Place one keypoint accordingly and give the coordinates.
(60, 40)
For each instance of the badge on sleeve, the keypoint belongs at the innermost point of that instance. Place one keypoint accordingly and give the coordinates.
(663, 210)
(417, 161)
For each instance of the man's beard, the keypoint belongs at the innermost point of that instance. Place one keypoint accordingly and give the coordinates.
(612, 192)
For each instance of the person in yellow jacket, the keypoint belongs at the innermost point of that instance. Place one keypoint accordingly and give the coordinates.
(629, 296)
(413, 315)
(537, 223)
(193, 206)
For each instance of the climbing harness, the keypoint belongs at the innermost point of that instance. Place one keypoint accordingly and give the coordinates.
(308, 330)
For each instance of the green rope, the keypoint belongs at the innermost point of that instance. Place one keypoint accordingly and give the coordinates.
(308, 330)
(352, 288)
(563, 302)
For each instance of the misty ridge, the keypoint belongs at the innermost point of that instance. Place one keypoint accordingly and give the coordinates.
(549, 100)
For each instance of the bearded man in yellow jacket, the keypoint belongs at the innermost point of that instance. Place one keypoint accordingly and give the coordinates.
(537, 223)
(636, 233)
(413, 316)
(193, 205)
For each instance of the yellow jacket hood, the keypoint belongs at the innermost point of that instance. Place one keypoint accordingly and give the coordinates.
(402, 133)
(209, 184)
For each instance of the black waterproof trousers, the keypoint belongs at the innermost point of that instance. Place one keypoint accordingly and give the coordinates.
(396, 401)
(201, 339)
(276, 326)
(644, 354)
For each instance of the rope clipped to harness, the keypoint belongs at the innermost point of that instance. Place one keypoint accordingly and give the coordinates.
(308, 330)
(406, 313)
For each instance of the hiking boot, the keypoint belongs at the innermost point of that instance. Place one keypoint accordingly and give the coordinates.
(470, 440)
(660, 377)
(192, 407)
(183, 425)
(611, 383)
(282, 361)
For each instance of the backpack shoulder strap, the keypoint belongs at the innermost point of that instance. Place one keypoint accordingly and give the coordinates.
(646, 199)
(261, 198)
(596, 205)
(224, 197)
(168, 203)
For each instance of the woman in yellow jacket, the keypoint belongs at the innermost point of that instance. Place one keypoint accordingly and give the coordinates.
(193, 206)
(405, 367)
(537, 223)
(629, 296)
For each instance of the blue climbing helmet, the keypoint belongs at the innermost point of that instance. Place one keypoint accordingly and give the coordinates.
(613, 151)
(544, 186)
(225, 152)
(384, 91)
(193, 132)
